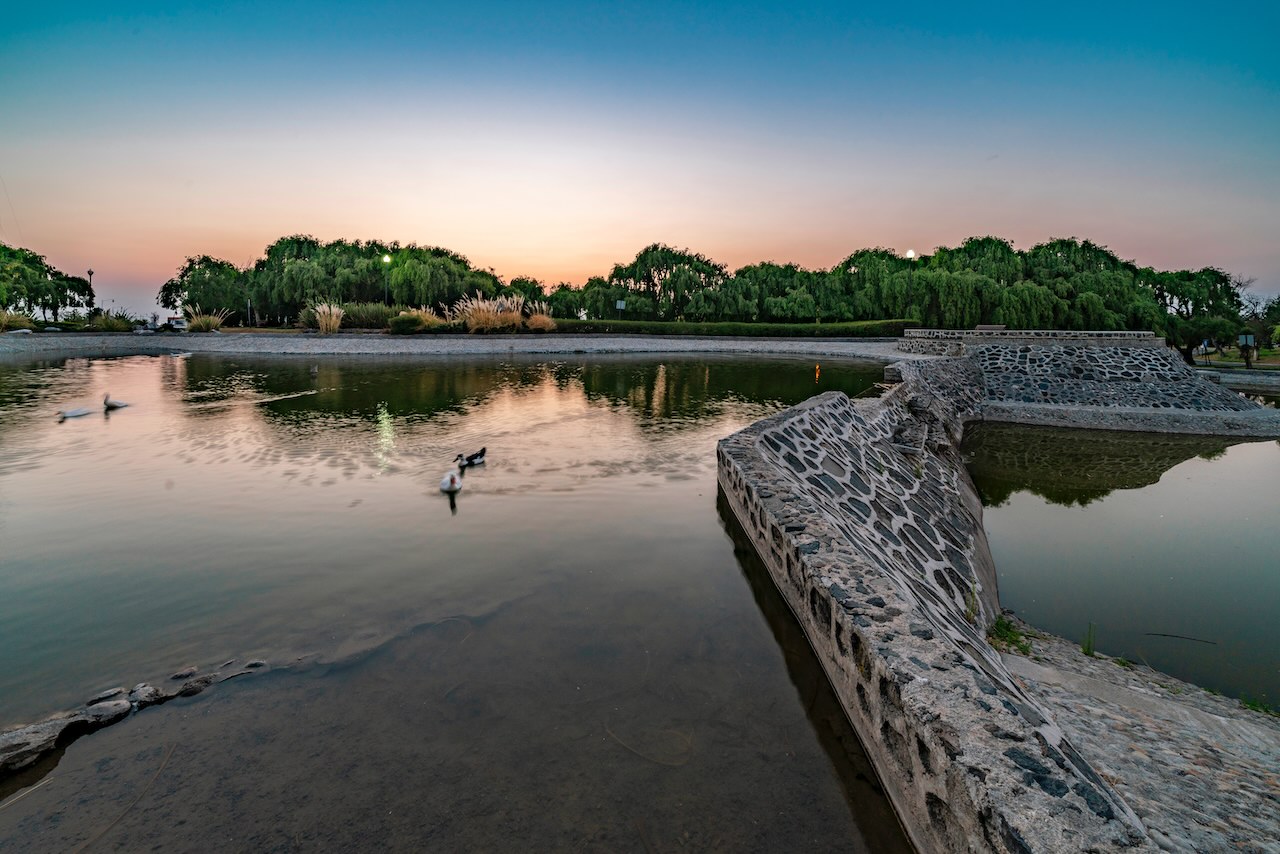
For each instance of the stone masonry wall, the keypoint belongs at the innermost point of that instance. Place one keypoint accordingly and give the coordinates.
(864, 514)
(1122, 376)
(1098, 380)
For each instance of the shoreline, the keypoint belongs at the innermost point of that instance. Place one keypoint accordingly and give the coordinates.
(360, 344)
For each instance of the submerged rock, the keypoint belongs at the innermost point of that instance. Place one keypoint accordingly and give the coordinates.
(194, 686)
(107, 712)
(23, 746)
(144, 695)
(105, 695)
(184, 672)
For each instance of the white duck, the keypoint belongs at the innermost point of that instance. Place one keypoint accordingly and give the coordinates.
(110, 405)
(64, 414)
(451, 483)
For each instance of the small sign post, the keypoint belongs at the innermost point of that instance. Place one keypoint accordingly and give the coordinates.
(621, 306)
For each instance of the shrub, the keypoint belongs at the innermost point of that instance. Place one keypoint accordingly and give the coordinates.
(540, 322)
(405, 324)
(14, 320)
(328, 317)
(368, 315)
(199, 321)
(856, 329)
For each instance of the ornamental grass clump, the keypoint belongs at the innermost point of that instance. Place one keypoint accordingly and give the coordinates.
(10, 320)
(199, 321)
(428, 315)
(539, 319)
(412, 320)
(328, 317)
(477, 314)
(510, 312)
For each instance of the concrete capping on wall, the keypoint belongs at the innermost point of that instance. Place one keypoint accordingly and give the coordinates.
(1241, 379)
(956, 342)
(1042, 335)
(865, 517)
(1259, 423)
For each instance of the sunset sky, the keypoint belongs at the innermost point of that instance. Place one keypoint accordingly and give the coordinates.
(554, 140)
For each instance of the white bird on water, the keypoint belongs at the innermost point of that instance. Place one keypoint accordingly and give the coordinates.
(451, 483)
(110, 405)
(64, 414)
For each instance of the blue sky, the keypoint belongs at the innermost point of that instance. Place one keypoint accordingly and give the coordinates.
(556, 140)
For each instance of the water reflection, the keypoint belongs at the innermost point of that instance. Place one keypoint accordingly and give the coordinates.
(579, 630)
(1164, 543)
(278, 506)
(1073, 467)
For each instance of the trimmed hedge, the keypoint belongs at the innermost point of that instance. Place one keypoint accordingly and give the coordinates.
(858, 329)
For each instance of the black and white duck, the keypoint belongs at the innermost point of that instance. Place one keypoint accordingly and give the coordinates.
(467, 460)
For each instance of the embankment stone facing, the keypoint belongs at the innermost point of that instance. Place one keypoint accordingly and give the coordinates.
(865, 516)
(1096, 380)
(867, 521)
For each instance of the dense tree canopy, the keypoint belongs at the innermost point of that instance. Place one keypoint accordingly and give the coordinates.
(1059, 284)
(29, 284)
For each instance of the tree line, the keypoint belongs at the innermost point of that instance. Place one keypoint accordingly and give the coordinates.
(1058, 284)
(30, 284)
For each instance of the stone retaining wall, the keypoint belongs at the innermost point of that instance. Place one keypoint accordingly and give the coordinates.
(1098, 380)
(865, 516)
(958, 342)
(871, 529)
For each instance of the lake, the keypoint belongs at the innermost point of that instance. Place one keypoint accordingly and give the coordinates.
(1166, 544)
(577, 651)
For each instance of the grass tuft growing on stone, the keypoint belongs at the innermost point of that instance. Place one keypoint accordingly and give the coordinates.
(1087, 646)
(1005, 636)
(1260, 706)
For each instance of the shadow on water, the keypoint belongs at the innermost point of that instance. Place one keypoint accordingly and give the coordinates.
(858, 777)
(1073, 467)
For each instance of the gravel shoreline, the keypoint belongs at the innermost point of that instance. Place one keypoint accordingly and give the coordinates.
(879, 349)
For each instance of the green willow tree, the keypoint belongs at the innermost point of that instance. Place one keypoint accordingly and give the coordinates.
(28, 283)
(1058, 284)
(210, 283)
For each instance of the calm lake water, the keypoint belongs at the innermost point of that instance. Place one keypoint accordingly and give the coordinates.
(1167, 544)
(577, 652)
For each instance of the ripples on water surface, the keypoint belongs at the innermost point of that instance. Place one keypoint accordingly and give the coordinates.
(1146, 537)
(573, 658)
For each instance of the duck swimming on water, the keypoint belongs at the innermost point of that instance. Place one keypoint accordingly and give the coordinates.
(476, 459)
(64, 414)
(451, 483)
(110, 405)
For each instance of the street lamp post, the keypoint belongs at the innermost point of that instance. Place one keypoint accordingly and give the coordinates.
(386, 272)
(95, 298)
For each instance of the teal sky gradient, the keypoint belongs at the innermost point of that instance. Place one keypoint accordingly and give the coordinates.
(555, 141)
